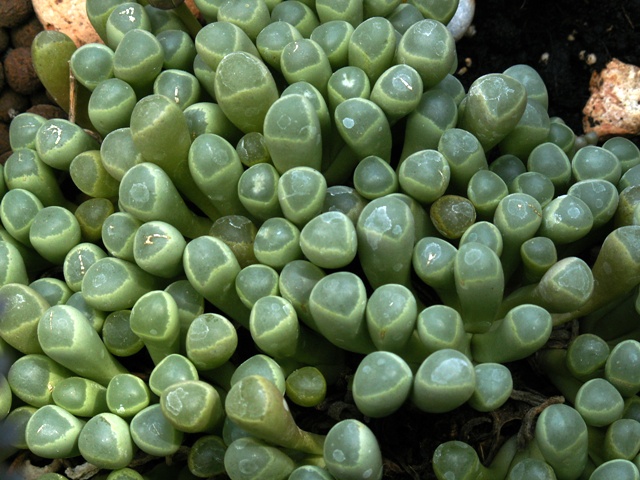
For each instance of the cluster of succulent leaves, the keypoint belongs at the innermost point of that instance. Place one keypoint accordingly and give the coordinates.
(306, 181)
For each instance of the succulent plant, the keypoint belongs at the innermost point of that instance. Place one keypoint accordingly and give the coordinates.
(293, 211)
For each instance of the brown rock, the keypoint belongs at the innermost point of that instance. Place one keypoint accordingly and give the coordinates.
(5, 146)
(14, 12)
(614, 105)
(11, 104)
(48, 111)
(23, 35)
(5, 156)
(1, 76)
(19, 72)
(4, 39)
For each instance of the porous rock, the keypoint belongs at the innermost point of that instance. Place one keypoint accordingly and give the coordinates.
(614, 105)
(19, 72)
(14, 12)
(68, 17)
(23, 35)
(47, 111)
(5, 146)
(4, 39)
(11, 104)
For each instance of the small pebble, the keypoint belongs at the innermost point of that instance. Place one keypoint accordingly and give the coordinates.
(23, 35)
(19, 72)
(48, 111)
(11, 104)
(14, 12)
(4, 39)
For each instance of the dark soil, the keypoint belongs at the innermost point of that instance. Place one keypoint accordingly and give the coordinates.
(565, 32)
